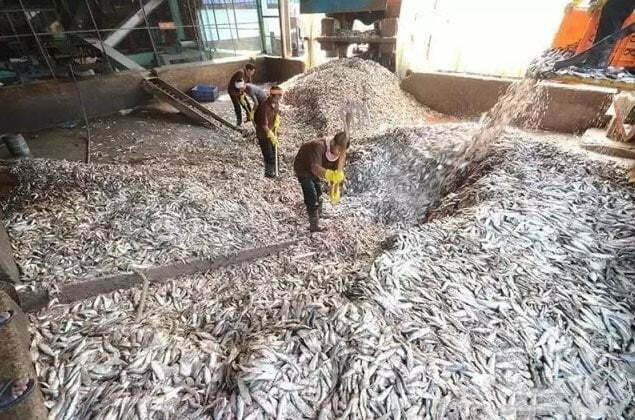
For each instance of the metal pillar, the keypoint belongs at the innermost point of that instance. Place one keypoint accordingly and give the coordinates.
(285, 28)
(261, 26)
(203, 29)
(154, 47)
(22, 49)
(235, 19)
(37, 40)
(230, 29)
(84, 113)
(128, 26)
(205, 26)
(215, 23)
(195, 26)
(175, 11)
(101, 41)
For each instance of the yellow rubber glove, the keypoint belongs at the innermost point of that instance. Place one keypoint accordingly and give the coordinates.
(250, 116)
(276, 123)
(334, 177)
(335, 193)
(245, 104)
(273, 138)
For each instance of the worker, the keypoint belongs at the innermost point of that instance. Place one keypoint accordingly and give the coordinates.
(268, 120)
(256, 93)
(319, 160)
(236, 90)
(13, 391)
(614, 14)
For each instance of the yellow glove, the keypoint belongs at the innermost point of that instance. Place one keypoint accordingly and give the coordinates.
(273, 138)
(250, 116)
(244, 102)
(335, 193)
(334, 177)
(276, 123)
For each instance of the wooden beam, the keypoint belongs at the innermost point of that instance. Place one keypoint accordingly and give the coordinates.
(93, 286)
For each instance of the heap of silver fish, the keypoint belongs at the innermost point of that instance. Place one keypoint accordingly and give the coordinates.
(313, 100)
(514, 300)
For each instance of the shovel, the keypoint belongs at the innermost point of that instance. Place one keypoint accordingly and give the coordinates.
(353, 113)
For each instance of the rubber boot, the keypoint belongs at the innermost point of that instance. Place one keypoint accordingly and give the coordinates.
(314, 221)
(321, 213)
(270, 171)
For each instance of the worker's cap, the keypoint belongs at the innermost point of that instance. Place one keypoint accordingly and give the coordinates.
(275, 90)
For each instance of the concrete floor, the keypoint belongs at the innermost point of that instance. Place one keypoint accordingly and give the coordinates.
(152, 132)
(157, 132)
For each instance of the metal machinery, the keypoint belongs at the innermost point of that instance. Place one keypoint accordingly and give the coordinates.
(577, 33)
(338, 35)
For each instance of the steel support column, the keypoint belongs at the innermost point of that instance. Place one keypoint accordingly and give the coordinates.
(285, 28)
(37, 40)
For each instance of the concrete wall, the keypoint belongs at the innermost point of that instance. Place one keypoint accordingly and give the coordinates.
(570, 109)
(282, 69)
(184, 76)
(40, 105)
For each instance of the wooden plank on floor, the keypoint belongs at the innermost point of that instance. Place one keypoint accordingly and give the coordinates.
(595, 140)
(33, 301)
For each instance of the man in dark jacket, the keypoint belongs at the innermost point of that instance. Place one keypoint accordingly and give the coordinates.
(317, 160)
(267, 120)
(236, 90)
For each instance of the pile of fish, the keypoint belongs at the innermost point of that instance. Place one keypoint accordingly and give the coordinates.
(404, 172)
(502, 305)
(377, 172)
(68, 220)
(518, 296)
(514, 300)
(313, 100)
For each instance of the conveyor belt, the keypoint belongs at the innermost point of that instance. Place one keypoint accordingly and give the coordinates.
(188, 106)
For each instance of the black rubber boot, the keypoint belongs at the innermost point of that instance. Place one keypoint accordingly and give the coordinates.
(314, 221)
(321, 213)
(270, 171)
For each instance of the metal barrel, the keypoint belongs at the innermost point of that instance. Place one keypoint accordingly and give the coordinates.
(17, 145)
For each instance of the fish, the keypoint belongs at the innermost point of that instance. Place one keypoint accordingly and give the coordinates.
(467, 266)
